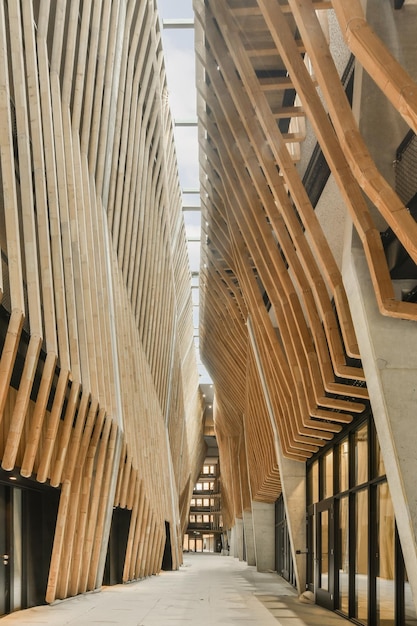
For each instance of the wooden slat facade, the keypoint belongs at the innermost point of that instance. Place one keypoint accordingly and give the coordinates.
(270, 281)
(99, 393)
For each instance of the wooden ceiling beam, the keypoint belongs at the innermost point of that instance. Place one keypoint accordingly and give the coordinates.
(349, 160)
(264, 167)
(277, 147)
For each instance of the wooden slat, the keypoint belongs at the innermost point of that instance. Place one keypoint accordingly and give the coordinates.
(65, 435)
(96, 269)
(378, 61)
(52, 425)
(8, 355)
(54, 569)
(243, 186)
(90, 504)
(38, 416)
(349, 136)
(128, 572)
(22, 403)
(92, 581)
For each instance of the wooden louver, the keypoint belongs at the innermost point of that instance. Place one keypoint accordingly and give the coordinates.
(266, 261)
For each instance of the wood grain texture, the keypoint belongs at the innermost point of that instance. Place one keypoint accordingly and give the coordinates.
(97, 308)
(266, 260)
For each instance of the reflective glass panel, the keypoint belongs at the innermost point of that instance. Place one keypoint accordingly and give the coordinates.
(344, 555)
(324, 556)
(380, 467)
(385, 580)
(344, 465)
(314, 484)
(361, 554)
(361, 455)
(328, 474)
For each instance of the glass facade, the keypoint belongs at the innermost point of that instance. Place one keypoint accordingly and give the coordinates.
(355, 564)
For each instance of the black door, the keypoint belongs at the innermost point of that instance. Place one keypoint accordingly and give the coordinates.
(167, 558)
(27, 527)
(325, 554)
(116, 551)
(4, 549)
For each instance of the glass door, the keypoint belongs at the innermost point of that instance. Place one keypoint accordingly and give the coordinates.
(325, 554)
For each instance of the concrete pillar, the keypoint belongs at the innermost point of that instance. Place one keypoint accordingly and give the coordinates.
(293, 481)
(263, 517)
(238, 548)
(232, 542)
(389, 357)
(249, 538)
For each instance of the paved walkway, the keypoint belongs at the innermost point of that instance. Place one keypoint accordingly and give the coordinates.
(208, 590)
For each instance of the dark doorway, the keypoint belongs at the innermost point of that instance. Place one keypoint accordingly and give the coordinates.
(325, 554)
(167, 558)
(4, 549)
(39, 513)
(27, 526)
(116, 551)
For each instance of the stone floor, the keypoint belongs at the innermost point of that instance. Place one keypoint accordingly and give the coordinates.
(208, 590)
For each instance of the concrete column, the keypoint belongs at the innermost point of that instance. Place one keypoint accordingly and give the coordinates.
(389, 357)
(263, 517)
(232, 542)
(293, 481)
(249, 538)
(238, 548)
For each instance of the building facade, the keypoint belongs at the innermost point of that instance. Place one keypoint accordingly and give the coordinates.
(308, 115)
(101, 437)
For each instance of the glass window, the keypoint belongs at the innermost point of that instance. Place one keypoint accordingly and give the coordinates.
(380, 467)
(361, 455)
(385, 580)
(314, 482)
(344, 555)
(328, 474)
(324, 560)
(361, 557)
(344, 465)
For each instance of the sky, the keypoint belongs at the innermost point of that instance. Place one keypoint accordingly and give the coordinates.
(178, 45)
(179, 55)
